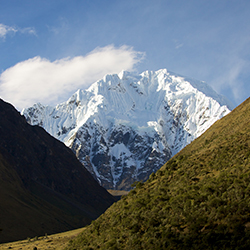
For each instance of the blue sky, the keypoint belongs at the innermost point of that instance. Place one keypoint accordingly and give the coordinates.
(50, 48)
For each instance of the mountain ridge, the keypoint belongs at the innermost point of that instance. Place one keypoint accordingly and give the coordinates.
(125, 126)
(44, 188)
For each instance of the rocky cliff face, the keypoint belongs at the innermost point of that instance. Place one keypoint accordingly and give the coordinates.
(126, 126)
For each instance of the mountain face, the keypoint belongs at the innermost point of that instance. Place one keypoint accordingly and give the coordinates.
(126, 126)
(43, 187)
(199, 199)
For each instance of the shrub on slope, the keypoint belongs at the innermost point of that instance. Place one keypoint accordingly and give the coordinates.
(200, 199)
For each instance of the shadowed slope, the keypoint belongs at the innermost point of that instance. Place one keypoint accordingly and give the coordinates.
(200, 199)
(44, 188)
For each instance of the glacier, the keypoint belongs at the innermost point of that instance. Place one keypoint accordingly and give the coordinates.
(127, 125)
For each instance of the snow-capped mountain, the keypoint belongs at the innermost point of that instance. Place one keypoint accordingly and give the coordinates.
(126, 126)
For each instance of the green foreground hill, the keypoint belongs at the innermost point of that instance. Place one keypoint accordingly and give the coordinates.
(200, 199)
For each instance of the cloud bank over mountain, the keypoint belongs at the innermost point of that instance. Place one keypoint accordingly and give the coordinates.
(40, 80)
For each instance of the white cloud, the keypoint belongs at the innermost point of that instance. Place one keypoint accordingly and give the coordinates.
(62, 26)
(5, 30)
(229, 78)
(28, 30)
(40, 80)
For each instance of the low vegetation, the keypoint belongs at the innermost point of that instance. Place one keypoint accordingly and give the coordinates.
(200, 199)
(55, 241)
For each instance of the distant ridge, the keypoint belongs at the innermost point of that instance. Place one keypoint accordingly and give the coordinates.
(43, 187)
(198, 200)
(126, 126)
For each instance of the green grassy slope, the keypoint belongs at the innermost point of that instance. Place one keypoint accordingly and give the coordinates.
(200, 199)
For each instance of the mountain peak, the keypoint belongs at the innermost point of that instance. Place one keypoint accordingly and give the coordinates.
(123, 74)
(125, 126)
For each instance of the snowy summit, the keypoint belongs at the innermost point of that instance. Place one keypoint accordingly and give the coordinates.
(126, 126)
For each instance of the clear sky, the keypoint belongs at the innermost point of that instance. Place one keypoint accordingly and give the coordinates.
(51, 48)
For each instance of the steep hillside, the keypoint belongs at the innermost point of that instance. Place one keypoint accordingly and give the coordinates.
(126, 126)
(200, 199)
(43, 187)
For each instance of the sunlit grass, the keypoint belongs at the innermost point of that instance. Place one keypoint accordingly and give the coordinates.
(55, 241)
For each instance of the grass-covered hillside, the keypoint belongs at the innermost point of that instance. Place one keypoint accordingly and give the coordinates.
(200, 199)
